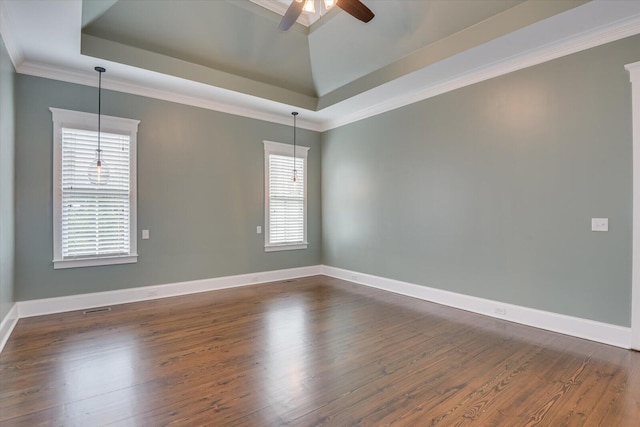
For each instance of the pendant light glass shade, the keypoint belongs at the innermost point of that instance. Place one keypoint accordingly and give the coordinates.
(98, 172)
(309, 6)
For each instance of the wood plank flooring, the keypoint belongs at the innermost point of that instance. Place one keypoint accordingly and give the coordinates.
(314, 351)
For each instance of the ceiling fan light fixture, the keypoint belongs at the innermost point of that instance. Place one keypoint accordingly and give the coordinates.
(354, 8)
(309, 6)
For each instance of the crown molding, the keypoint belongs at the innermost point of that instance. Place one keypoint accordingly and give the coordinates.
(6, 30)
(357, 108)
(88, 79)
(546, 53)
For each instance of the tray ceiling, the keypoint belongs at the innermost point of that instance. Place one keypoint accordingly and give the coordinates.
(229, 54)
(242, 39)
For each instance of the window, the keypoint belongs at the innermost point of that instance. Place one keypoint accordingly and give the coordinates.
(93, 224)
(285, 200)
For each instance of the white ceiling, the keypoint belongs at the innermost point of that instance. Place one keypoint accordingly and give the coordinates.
(374, 72)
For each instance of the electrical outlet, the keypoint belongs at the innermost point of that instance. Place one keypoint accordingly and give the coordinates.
(500, 311)
(599, 224)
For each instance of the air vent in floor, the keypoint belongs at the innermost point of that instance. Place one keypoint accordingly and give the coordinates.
(97, 310)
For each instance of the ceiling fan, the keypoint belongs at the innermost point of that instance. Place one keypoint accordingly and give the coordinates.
(354, 8)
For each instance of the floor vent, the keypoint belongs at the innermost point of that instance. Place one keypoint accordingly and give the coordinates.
(97, 310)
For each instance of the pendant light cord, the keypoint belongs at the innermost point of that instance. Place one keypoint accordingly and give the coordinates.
(294, 114)
(100, 70)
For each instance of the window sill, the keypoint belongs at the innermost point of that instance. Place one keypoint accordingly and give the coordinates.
(93, 262)
(289, 247)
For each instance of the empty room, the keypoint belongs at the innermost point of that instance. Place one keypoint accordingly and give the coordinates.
(319, 212)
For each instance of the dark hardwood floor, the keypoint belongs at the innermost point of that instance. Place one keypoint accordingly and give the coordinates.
(315, 351)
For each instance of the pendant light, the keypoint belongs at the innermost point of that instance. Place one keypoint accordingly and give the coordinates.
(98, 170)
(295, 173)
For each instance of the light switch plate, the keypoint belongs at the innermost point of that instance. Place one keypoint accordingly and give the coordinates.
(259, 229)
(145, 234)
(599, 224)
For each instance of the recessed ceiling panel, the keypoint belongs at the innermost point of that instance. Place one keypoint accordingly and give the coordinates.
(241, 38)
(215, 34)
(345, 49)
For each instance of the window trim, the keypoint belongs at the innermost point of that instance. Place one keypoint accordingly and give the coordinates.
(89, 121)
(278, 148)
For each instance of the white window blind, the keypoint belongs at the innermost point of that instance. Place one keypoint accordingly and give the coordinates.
(93, 224)
(95, 218)
(286, 207)
(285, 199)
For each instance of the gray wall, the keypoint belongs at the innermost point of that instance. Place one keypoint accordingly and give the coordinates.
(7, 199)
(489, 190)
(200, 193)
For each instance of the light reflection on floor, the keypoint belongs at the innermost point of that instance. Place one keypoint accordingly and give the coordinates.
(106, 376)
(285, 361)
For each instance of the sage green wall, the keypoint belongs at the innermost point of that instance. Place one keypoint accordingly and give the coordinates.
(200, 193)
(489, 190)
(7, 200)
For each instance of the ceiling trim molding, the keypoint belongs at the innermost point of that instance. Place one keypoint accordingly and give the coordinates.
(409, 94)
(547, 53)
(88, 79)
(109, 50)
(6, 29)
(502, 25)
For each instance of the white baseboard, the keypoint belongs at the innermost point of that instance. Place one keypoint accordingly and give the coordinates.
(618, 336)
(582, 328)
(7, 325)
(44, 306)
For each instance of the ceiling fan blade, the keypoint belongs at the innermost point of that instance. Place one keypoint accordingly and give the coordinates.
(356, 9)
(290, 16)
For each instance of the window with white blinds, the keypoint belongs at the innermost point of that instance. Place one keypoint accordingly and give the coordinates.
(94, 221)
(285, 199)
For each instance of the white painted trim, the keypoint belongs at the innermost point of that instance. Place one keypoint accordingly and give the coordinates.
(111, 83)
(582, 328)
(286, 247)
(100, 299)
(302, 152)
(285, 149)
(509, 65)
(81, 120)
(7, 325)
(634, 70)
(326, 120)
(94, 262)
